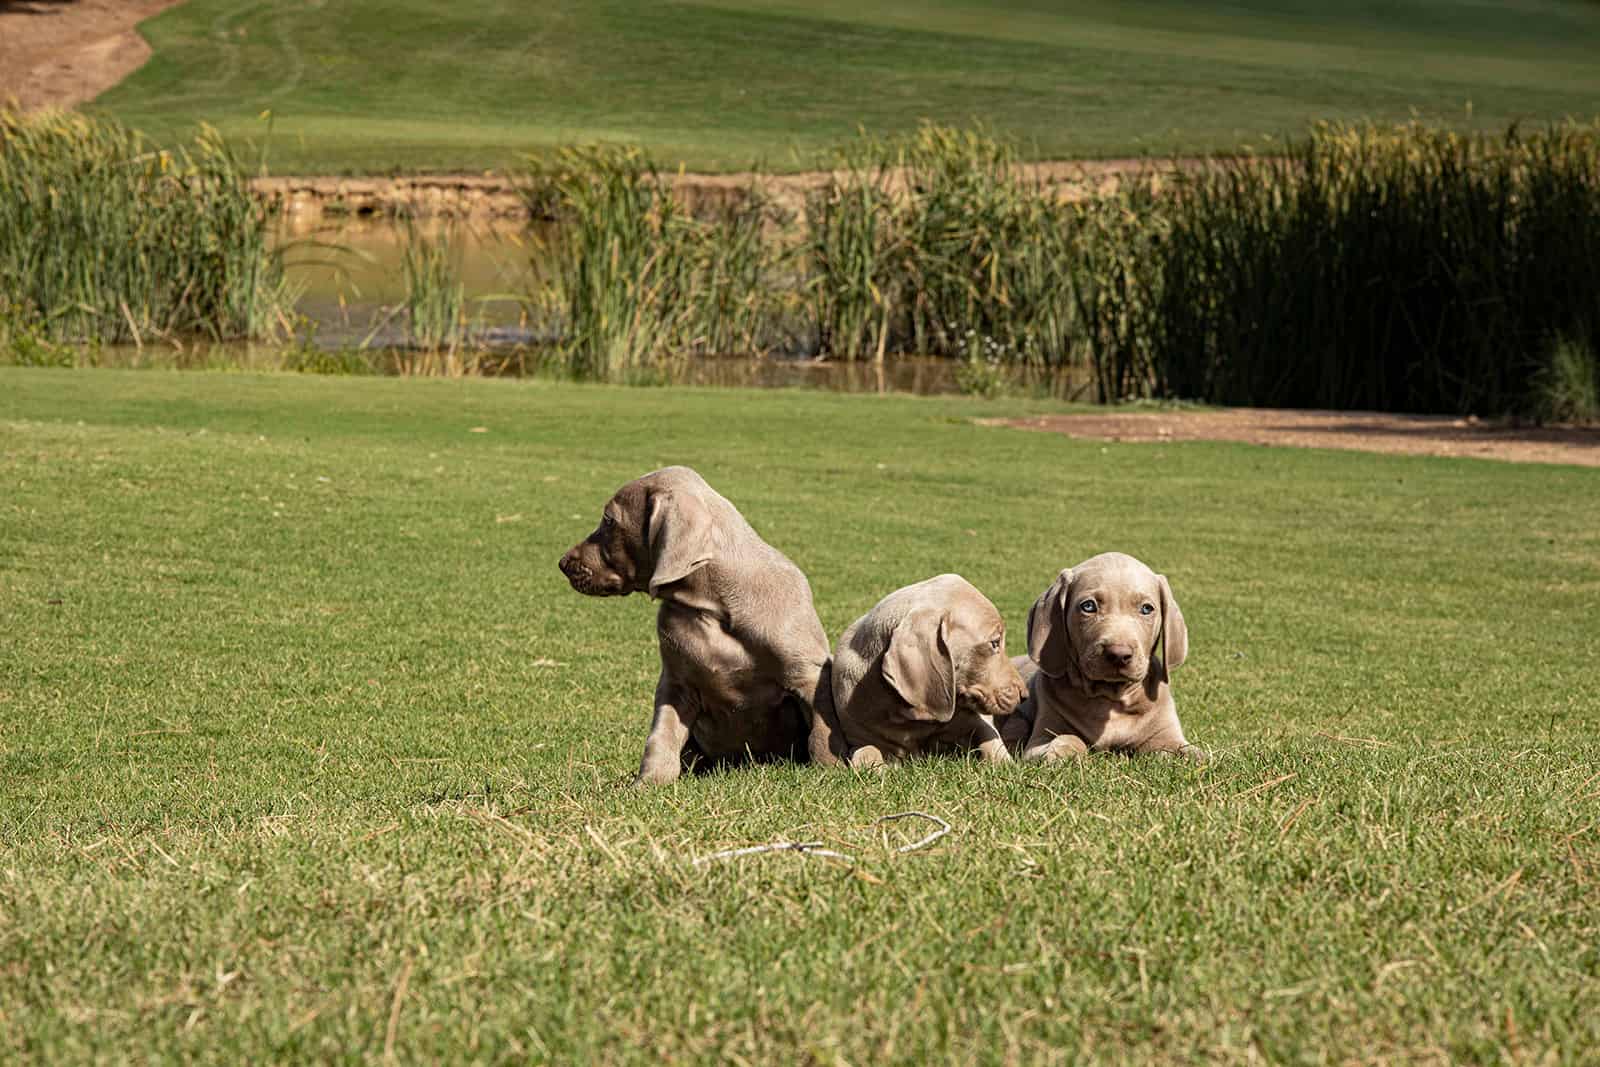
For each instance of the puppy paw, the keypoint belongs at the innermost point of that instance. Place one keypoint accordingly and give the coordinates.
(655, 775)
(866, 757)
(821, 751)
(994, 752)
(1060, 747)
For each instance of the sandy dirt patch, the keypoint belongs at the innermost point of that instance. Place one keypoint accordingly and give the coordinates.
(59, 53)
(479, 195)
(1424, 435)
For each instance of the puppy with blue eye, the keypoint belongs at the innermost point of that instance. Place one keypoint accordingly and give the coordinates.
(1102, 642)
(925, 671)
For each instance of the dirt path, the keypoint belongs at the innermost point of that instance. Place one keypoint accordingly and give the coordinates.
(1426, 435)
(59, 53)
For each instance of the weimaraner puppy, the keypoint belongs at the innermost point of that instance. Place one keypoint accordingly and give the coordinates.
(923, 672)
(743, 655)
(1096, 681)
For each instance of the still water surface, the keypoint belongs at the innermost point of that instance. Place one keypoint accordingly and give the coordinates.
(351, 276)
(351, 271)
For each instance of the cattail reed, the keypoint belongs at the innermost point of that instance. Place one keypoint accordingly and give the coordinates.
(1399, 269)
(104, 238)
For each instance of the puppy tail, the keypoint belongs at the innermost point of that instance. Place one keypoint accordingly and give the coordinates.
(826, 745)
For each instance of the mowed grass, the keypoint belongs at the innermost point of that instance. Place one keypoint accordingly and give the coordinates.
(307, 751)
(717, 84)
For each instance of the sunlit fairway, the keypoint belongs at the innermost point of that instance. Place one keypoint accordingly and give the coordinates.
(307, 750)
(370, 87)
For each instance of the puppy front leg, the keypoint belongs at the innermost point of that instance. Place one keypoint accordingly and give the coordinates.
(813, 685)
(669, 732)
(1062, 746)
(867, 757)
(987, 740)
(1014, 730)
(1046, 745)
(826, 744)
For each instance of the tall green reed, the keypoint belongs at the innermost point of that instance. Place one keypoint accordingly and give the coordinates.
(1111, 290)
(855, 258)
(940, 244)
(934, 244)
(635, 278)
(1399, 269)
(105, 238)
(435, 302)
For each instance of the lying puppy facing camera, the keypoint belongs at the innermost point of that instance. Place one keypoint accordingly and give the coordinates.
(742, 650)
(922, 672)
(1095, 680)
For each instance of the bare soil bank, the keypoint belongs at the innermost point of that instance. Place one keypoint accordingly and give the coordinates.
(496, 196)
(1425, 435)
(59, 53)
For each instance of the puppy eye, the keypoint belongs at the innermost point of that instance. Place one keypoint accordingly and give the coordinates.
(1089, 607)
(606, 523)
(1147, 609)
(995, 643)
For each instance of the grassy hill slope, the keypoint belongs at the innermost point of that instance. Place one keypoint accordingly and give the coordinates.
(412, 85)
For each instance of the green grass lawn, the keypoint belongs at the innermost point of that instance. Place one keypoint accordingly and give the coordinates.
(307, 750)
(366, 86)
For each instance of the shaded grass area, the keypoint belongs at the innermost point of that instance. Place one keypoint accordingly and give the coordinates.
(366, 87)
(306, 750)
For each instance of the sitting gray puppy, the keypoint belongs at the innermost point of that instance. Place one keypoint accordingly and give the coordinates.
(1095, 680)
(922, 672)
(743, 655)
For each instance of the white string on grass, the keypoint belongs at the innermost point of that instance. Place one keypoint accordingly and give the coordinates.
(814, 848)
(943, 829)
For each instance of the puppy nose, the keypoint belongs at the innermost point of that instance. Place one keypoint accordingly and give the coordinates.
(566, 562)
(1118, 655)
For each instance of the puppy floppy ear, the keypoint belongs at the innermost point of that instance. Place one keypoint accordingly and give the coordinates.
(1049, 642)
(919, 665)
(1174, 639)
(679, 537)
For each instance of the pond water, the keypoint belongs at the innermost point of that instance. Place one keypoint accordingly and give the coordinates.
(351, 280)
(351, 275)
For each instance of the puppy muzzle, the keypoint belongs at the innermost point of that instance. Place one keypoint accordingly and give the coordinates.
(1002, 701)
(583, 579)
(1115, 663)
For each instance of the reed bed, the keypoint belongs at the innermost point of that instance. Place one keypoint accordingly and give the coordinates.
(939, 244)
(436, 300)
(1402, 269)
(933, 245)
(1399, 269)
(634, 278)
(104, 238)
(438, 338)
(1395, 269)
